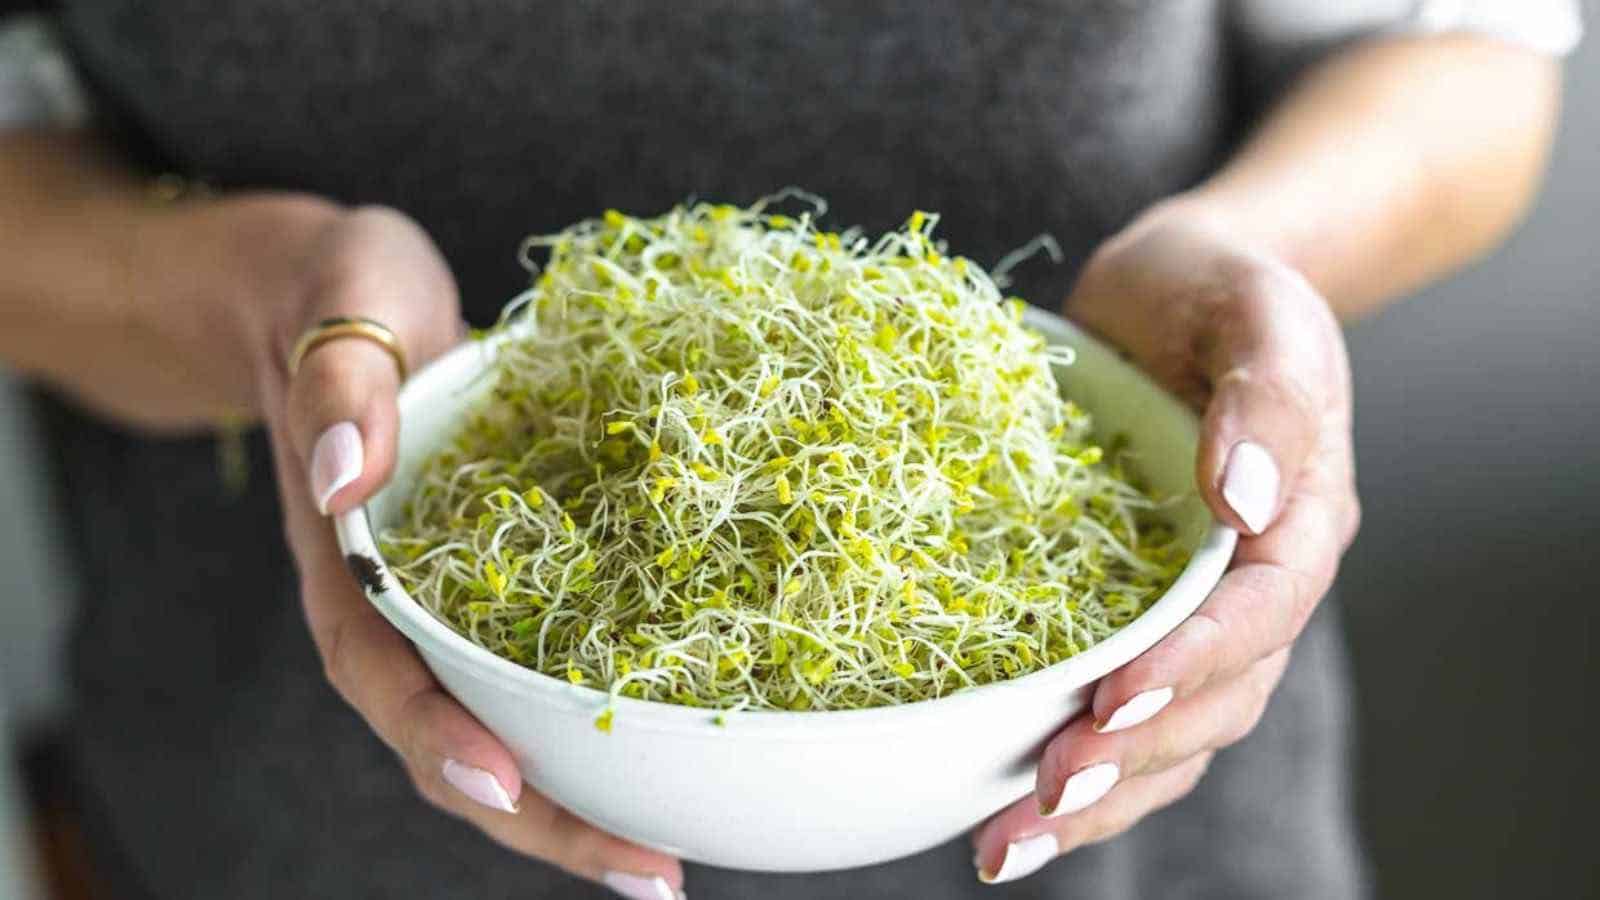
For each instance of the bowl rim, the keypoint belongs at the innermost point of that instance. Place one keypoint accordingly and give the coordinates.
(442, 645)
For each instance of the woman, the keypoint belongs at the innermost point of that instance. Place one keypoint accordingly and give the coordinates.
(1399, 145)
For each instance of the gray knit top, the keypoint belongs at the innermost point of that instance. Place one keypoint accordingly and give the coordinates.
(215, 760)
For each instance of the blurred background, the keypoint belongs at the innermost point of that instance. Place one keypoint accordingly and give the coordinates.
(1472, 598)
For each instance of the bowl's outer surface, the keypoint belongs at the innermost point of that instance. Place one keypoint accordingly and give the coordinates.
(783, 791)
(735, 797)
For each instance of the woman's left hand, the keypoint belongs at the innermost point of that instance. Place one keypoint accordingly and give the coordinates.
(1246, 339)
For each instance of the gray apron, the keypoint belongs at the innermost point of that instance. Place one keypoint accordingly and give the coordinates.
(216, 762)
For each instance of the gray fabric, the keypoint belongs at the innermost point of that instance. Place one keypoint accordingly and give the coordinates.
(492, 119)
(17, 869)
(37, 82)
(217, 761)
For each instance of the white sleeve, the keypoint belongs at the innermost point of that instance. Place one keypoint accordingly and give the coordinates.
(1547, 26)
(38, 84)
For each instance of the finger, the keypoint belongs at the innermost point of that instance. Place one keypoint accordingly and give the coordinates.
(455, 762)
(375, 669)
(1270, 350)
(377, 672)
(1018, 841)
(1258, 607)
(544, 830)
(1080, 765)
(459, 766)
(342, 418)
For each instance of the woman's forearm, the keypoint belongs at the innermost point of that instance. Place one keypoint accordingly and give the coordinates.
(69, 225)
(1391, 164)
(140, 309)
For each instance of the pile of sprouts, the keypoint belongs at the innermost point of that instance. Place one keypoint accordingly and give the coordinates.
(731, 461)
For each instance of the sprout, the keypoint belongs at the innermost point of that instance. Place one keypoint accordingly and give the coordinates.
(732, 461)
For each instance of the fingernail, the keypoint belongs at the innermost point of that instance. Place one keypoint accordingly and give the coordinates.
(1023, 858)
(335, 462)
(641, 887)
(479, 785)
(1250, 485)
(1139, 708)
(1086, 785)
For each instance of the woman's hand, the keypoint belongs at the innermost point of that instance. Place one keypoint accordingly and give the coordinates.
(169, 317)
(1247, 340)
(333, 428)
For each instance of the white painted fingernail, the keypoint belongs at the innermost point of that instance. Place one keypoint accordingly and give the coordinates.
(1023, 858)
(479, 785)
(1086, 785)
(1139, 708)
(1250, 485)
(335, 462)
(641, 887)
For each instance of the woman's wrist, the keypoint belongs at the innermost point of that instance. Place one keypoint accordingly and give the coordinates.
(1213, 212)
(155, 314)
(224, 272)
(1230, 232)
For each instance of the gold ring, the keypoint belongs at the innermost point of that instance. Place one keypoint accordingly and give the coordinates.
(342, 327)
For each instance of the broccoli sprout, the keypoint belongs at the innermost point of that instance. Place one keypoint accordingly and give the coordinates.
(731, 460)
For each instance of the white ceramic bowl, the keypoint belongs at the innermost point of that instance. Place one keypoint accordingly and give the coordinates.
(793, 791)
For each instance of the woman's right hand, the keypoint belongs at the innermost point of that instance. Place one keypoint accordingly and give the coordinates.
(333, 427)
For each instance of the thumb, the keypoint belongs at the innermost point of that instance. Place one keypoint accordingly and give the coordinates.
(342, 417)
(1274, 370)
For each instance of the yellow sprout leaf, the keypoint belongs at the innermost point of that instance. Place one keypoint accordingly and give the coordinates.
(495, 578)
